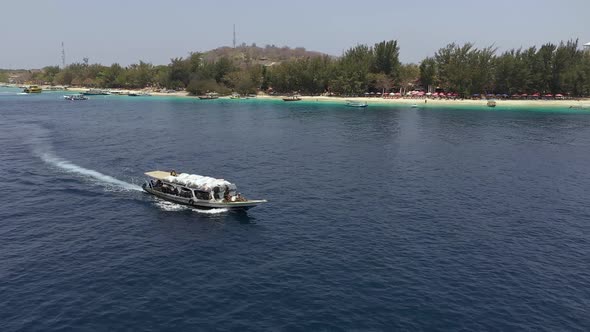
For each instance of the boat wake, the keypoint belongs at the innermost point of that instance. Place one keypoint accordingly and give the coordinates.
(44, 151)
(170, 206)
(114, 184)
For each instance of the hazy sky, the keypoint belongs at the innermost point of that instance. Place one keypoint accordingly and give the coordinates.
(126, 31)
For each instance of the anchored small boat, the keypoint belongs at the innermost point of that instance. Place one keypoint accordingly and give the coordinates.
(210, 95)
(491, 103)
(352, 103)
(139, 94)
(96, 92)
(32, 89)
(196, 190)
(75, 97)
(292, 98)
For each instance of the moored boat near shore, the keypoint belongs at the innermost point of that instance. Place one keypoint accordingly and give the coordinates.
(196, 190)
(96, 92)
(352, 103)
(33, 89)
(76, 97)
(210, 95)
(292, 98)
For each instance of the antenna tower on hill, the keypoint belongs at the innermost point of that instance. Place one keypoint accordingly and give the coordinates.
(234, 36)
(63, 55)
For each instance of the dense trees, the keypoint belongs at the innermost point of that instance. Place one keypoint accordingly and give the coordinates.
(464, 69)
(549, 69)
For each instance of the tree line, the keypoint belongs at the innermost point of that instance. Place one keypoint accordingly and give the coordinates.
(463, 69)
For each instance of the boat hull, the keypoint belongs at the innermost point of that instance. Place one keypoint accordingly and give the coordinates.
(202, 204)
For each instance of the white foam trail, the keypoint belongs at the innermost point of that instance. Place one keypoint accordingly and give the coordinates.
(38, 138)
(169, 206)
(210, 211)
(73, 168)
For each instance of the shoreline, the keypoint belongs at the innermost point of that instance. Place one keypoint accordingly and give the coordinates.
(576, 104)
(419, 102)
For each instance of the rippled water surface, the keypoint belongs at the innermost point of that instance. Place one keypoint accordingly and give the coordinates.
(379, 219)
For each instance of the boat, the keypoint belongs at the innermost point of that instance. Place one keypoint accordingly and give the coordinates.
(139, 94)
(196, 190)
(56, 88)
(235, 96)
(33, 89)
(491, 103)
(292, 98)
(210, 95)
(352, 103)
(76, 97)
(96, 92)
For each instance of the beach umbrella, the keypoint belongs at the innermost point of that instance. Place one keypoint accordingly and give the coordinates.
(429, 93)
(559, 95)
(536, 94)
(548, 95)
(392, 94)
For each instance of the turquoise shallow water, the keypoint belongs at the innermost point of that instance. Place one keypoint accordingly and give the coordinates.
(383, 219)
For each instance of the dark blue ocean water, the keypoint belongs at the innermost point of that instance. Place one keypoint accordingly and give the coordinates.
(383, 219)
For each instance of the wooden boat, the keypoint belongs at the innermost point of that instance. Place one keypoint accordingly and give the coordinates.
(196, 190)
(292, 98)
(139, 94)
(211, 95)
(32, 89)
(352, 103)
(96, 92)
(76, 97)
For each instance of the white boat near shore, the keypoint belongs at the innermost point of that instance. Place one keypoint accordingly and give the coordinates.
(96, 92)
(196, 190)
(353, 103)
(75, 97)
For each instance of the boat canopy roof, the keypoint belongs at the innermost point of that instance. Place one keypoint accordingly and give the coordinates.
(191, 180)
